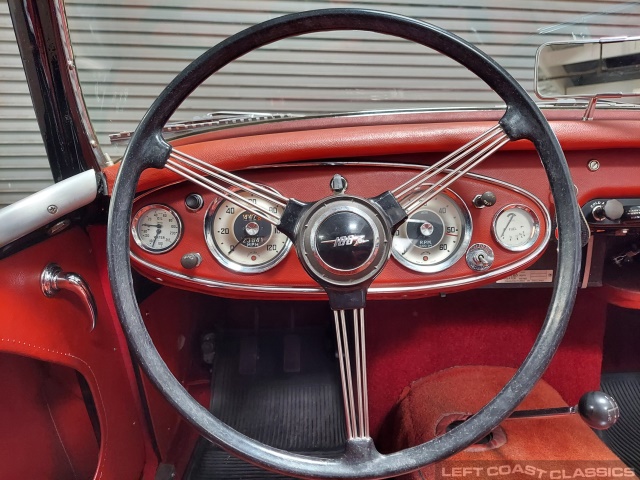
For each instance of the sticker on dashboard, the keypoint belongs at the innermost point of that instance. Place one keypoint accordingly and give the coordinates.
(529, 276)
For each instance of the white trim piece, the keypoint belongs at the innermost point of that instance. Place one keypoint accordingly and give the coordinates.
(46, 206)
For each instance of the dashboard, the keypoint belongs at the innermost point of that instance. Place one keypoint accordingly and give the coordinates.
(213, 247)
(480, 230)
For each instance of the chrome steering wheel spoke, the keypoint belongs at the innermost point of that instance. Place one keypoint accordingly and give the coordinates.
(203, 174)
(353, 375)
(411, 196)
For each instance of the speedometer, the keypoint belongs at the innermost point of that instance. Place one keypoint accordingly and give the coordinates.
(243, 241)
(434, 237)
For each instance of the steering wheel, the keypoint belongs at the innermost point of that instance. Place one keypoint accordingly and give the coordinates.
(343, 242)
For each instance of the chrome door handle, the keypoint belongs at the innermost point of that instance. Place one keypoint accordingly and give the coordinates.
(53, 279)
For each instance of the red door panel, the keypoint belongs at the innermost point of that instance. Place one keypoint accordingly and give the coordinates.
(57, 330)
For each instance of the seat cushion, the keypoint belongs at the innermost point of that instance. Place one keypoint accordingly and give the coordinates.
(559, 447)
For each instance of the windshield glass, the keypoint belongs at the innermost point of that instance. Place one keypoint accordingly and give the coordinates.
(127, 51)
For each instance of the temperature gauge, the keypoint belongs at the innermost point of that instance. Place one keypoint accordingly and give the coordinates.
(516, 227)
(156, 228)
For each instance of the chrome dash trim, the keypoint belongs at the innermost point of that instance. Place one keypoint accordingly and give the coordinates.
(47, 205)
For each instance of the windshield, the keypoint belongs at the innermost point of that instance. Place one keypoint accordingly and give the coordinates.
(127, 51)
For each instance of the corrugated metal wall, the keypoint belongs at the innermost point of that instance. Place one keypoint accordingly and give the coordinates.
(126, 52)
(24, 168)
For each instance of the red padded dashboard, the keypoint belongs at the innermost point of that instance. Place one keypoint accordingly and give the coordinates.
(352, 142)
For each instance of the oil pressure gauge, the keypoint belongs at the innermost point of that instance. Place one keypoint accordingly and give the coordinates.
(516, 227)
(434, 237)
(156, 228)
(243, 241)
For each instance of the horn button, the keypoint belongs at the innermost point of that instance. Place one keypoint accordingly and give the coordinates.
(344, 241)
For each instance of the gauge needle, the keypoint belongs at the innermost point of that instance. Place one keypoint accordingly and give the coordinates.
(511, 215)
(408, 248)
(147, 225)
(156, 238)
(234, 247)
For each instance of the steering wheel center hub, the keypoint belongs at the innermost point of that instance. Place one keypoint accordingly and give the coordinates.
(343, 241)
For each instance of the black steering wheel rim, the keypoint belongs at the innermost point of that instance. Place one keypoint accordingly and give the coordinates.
(522, 120)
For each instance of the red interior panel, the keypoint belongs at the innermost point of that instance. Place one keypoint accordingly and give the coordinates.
(57, 330)
(353, 141)
(46, 431)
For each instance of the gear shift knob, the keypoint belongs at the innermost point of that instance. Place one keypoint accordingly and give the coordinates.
(599, 410)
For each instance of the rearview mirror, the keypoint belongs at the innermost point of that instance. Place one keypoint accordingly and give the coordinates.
(603, 68)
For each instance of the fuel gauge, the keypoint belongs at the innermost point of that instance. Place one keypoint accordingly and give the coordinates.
(516, 227)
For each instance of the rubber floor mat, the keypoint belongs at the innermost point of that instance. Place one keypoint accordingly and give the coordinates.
(280, 388)
(624, 437)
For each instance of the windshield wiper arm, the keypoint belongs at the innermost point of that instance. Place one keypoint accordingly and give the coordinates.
(214, 119)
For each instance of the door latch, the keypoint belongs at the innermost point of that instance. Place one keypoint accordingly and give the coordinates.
(53, 279)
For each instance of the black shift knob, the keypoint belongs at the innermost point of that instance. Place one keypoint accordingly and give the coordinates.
(599, 410)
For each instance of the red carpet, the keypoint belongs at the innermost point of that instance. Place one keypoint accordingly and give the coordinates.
(411, 339)
(562, 447)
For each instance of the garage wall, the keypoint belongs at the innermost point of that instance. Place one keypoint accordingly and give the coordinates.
(126, 51)
(24, 168)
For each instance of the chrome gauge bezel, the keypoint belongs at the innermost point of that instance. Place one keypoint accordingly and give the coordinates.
(136, 219)
(223, 259)
(465, 239)
(535, 234)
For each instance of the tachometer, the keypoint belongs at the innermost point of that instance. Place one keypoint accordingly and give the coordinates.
(156, 228)
(243, 241)
(434, 237)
